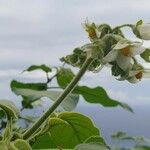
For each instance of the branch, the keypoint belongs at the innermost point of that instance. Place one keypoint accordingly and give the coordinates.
(66, 92)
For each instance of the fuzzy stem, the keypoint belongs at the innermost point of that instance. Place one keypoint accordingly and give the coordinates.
(66, 92)
(122, 26)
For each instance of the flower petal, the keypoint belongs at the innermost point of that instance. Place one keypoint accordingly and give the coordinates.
(136, 48)
(144, 30)
(111, 56)
(98, 33)
(133, 73)
(133, 80)
(122, 44)
(124, 62)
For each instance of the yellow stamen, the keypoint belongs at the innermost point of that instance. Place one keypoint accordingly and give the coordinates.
(91, 32)
(126, 51)
(139, 75)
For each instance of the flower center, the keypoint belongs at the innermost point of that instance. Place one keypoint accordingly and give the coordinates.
(139, 75)
(92, 33)
(125, 51)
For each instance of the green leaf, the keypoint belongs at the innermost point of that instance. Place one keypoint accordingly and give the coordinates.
(146, 55)
(68, 104)
(33, 86)
(52, 149)
(64, 77)
(96, 139)
(8, 131)
(3, 145)
(39, 67)
(91, 146)
(74, 129)
(2, 114)
(10, 109)
(95, 95)
(27, 103)
(93, 143)
(116, 70)
(69, 129)
(20, 145)
(44, 142)
(99, 95)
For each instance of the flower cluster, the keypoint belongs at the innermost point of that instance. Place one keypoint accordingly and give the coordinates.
(110, 46)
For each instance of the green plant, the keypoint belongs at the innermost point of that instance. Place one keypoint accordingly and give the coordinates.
(70, 130)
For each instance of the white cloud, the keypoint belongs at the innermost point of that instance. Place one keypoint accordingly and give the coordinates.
(119, 95)
(42, 31)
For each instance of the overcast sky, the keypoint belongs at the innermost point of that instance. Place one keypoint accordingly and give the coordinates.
(42, 31)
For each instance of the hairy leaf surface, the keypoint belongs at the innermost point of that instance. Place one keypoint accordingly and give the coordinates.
(68, 104)
(69, 129)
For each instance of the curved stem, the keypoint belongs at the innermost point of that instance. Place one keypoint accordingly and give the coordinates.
(124, 25)
(66, 92)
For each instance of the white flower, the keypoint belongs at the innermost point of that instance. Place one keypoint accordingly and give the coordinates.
(144, 31)
(123, 52)
(136, 75)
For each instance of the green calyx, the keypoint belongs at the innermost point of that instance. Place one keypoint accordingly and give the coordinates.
(135, 28)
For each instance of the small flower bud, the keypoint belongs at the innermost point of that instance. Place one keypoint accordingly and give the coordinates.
(142, 30)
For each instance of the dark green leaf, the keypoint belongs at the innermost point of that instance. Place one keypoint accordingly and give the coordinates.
(116, 70)
(27, 103)
(146, 55)
(2, 114)
(39, 67)
(95, 95)
(33, 86)
(68, 104)
(99, 95)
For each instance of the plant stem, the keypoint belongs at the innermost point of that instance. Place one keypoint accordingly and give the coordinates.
(124, 25)
(66, 92)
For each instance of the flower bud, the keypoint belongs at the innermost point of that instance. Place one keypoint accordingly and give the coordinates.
(142, 30)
